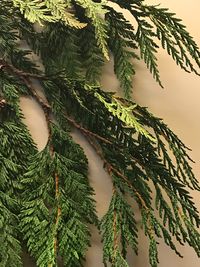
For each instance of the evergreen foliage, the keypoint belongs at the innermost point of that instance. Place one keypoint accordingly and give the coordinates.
(46, 201)
(16, 147)
(57, 203)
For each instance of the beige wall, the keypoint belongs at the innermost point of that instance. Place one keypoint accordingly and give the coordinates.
(178, 104)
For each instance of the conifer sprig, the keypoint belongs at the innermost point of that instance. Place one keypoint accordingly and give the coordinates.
(122, 45)
(174, 37)
(91, 55)
(95, 12)
(158, 25)
(117, 158)
(60, 204)
(46, 198)
(49, 11)
(15, 146)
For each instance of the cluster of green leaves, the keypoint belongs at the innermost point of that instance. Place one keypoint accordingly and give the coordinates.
(45, 195)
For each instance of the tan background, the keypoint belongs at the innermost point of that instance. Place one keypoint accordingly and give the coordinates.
(178, 104)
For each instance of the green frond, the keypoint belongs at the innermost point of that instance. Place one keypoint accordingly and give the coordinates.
(34, 10)
(122, 45)
(118, 225)
(163, 134)
(63, 53)
(95, 12)
(131, 174)
(8, 37)
(15, 145)
(124, 114)
(45, 197)
(60, 9)
(49, 11)
(174, 37)
(59, 206)
(91, 56)
(157, 23)
(145, 36)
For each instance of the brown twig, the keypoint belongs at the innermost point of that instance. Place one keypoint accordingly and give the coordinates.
(46, 108)
(25, 77)
(111, 169)
(20, 73)
(86, 131)
(44, 105)
(11, 68)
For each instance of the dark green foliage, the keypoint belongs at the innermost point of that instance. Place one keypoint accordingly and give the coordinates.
(134, 161)
(156, 24)
(60, 53)
(15, 146)
(10, 170)
(45, 196)
(174, 37)
(7, 37)
(118, 226)
(121, 43)
(91, 55)
(148, 47)
(57, 203)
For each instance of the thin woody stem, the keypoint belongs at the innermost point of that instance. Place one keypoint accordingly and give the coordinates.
(25, 77)
(11, 68)
(87, 132)
(111, 169)
(44, 105)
